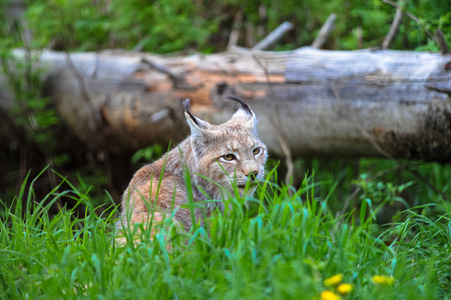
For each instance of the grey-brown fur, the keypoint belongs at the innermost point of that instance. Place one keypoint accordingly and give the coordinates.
(203, 152)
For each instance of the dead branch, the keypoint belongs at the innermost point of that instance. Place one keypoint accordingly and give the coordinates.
(235, 33)
(440, 39)
(359, 37)
(393, 29)
(274, 36)
(325, 31)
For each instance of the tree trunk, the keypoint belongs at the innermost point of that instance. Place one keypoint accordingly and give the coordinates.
(321, 103)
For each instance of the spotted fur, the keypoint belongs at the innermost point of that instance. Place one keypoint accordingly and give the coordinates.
(228, 154)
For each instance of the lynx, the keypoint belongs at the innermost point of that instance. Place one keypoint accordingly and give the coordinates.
(217, 157)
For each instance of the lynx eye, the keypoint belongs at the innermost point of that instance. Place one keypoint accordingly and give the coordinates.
(256, 150)
(229, 157)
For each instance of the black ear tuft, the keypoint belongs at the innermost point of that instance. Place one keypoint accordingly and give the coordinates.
(186, 105)
(243, 104)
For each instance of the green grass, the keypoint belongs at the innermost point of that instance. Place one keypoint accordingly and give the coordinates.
(280, 244)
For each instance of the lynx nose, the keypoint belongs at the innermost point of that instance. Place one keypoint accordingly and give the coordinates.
(252, 173)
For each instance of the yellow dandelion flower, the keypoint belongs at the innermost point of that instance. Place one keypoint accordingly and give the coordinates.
(383, 280)
(336, 279)
(328, 295)
(344, 288)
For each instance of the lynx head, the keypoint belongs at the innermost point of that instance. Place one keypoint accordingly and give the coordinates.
(228, 152)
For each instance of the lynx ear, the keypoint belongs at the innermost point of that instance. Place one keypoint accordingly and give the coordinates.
(198, 126)
(245, 112)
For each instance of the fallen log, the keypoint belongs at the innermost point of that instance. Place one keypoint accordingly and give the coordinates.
(322, 103)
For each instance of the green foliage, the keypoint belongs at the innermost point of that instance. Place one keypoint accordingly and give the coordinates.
(78, 24)
(31, 111)
(380, 192)
(173, 25)
(157, 26)
(148, 154)
(283, 242)
(161, 26)
(286, 250)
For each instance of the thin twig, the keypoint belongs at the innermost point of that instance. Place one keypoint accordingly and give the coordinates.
(413, 17)
(87, 100)
(178, 81)
(435, 37)
(160, 68)
(83, 92)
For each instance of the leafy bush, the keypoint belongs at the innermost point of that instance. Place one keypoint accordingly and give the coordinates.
(157, 26)
(173, 25)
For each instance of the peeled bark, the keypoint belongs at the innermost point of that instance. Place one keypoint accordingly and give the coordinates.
(322, 103)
